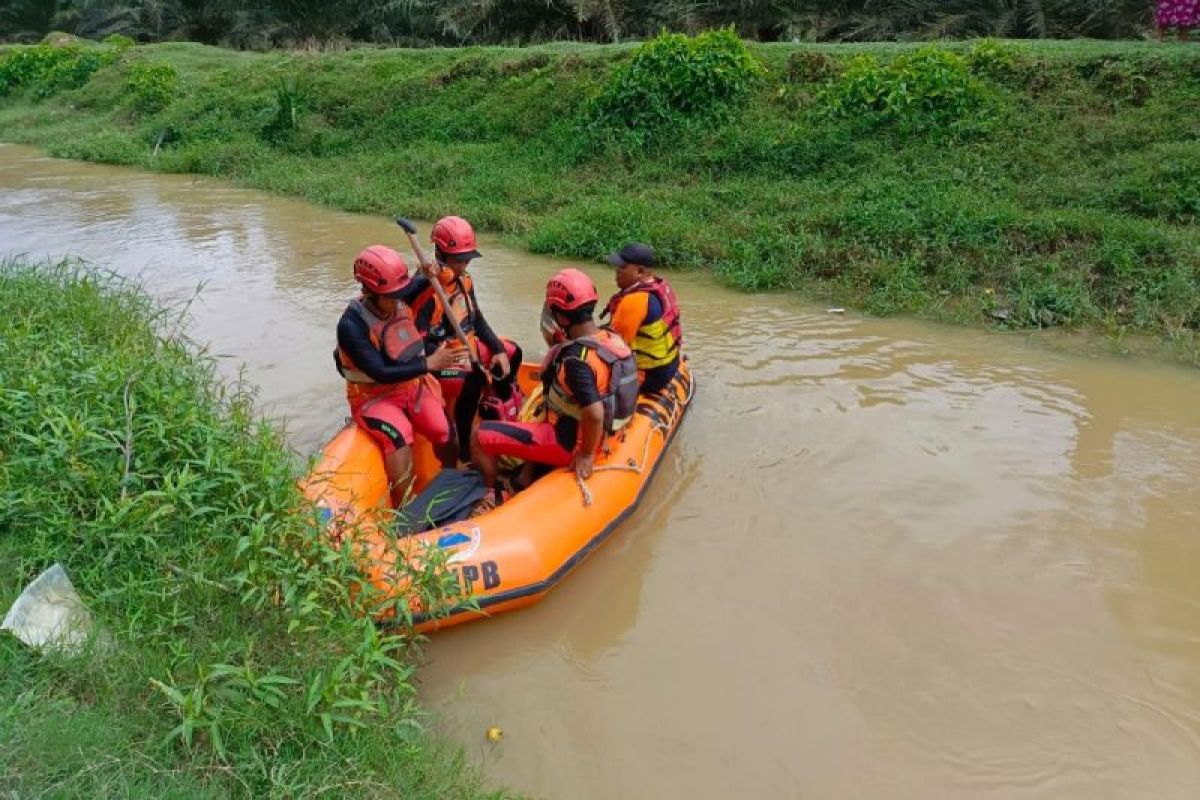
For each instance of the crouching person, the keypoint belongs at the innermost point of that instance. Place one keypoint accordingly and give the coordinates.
(590, 387)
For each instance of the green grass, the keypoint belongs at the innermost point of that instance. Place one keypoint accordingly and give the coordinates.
(1067, 196)
(238, 657)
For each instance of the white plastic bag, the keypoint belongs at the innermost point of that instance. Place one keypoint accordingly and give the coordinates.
(49, 615)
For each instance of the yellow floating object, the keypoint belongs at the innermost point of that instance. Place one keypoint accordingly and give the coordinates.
(494, 734)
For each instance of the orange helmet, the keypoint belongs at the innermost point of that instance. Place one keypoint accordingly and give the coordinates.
(381, 270)
(454, 236)
(569, 289)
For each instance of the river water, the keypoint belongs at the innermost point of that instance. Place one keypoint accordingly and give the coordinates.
(882, 559)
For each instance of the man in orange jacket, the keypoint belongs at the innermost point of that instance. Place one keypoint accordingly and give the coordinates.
(645, 312)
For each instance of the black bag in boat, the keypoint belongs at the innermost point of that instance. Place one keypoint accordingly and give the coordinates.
(449, 497)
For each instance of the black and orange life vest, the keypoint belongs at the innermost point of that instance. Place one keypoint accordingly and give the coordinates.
(396, 337)
(657, 343)
(428, 311)
(616, 379)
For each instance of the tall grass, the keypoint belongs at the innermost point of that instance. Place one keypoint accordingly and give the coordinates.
(238, 655)
(1013, 184)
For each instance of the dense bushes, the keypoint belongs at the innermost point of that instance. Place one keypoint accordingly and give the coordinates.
(930, 89)
(151, 86)
(970, 181)
(674, 81)
(46, 70)
(242, 657)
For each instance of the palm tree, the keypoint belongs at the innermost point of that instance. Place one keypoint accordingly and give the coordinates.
(28, 20)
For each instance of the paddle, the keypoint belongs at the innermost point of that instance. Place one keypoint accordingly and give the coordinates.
(410, 230)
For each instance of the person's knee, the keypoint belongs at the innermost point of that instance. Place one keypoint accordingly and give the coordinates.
(475, 450)
(482, 444)
(390, 436)
(438, 431)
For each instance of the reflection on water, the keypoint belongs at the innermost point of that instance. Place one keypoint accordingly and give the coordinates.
(882, 559)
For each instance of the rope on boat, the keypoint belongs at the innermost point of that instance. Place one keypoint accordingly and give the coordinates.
(584, 490)
(632, 466)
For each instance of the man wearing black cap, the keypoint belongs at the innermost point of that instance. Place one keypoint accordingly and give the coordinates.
(645, 313)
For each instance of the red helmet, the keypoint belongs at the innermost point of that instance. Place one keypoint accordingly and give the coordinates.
(453, 236)
(381, 270)
(569, 289)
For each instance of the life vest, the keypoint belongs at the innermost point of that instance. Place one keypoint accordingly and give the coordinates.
(396, 337)
(616, 379)
(657, 343)
(429, 311)
(502, 409)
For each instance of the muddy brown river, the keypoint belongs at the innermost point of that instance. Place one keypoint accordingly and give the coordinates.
(883, 559)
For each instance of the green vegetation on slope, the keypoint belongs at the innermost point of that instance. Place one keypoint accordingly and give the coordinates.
(238, 655)
(1027, 185)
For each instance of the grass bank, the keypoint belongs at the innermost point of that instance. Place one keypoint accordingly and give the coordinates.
(236, 659)
(1014, 184)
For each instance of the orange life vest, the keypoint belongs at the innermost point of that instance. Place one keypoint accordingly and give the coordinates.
(428, 306)
(657, 343)
(396, 337)
(616, 379)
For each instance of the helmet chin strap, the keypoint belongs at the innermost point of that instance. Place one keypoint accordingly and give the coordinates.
(552, 332)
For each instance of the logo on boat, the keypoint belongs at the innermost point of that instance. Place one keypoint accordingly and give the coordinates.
(464, 543)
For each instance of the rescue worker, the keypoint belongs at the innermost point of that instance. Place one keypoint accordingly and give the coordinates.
(645, 313)
(389, 384)
(463, 387)
(590, 384)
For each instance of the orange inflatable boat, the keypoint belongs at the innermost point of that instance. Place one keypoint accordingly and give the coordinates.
(512, 556)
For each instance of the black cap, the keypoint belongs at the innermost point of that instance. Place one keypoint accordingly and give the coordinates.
(633, 253)
(467, 256)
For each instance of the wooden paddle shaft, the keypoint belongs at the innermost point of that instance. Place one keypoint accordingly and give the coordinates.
(441, 293)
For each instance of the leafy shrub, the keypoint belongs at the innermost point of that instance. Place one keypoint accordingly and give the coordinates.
(246, 636)
(45, 70)
(118, 41)
(672, 80)
(23, 66)
(1000, 61)
(71, 71)
(929, 89)
(151, 86)
(811, 66)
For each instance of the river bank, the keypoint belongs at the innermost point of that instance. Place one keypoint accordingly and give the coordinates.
(237, 662)
(1059, 189)
(884, 558)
